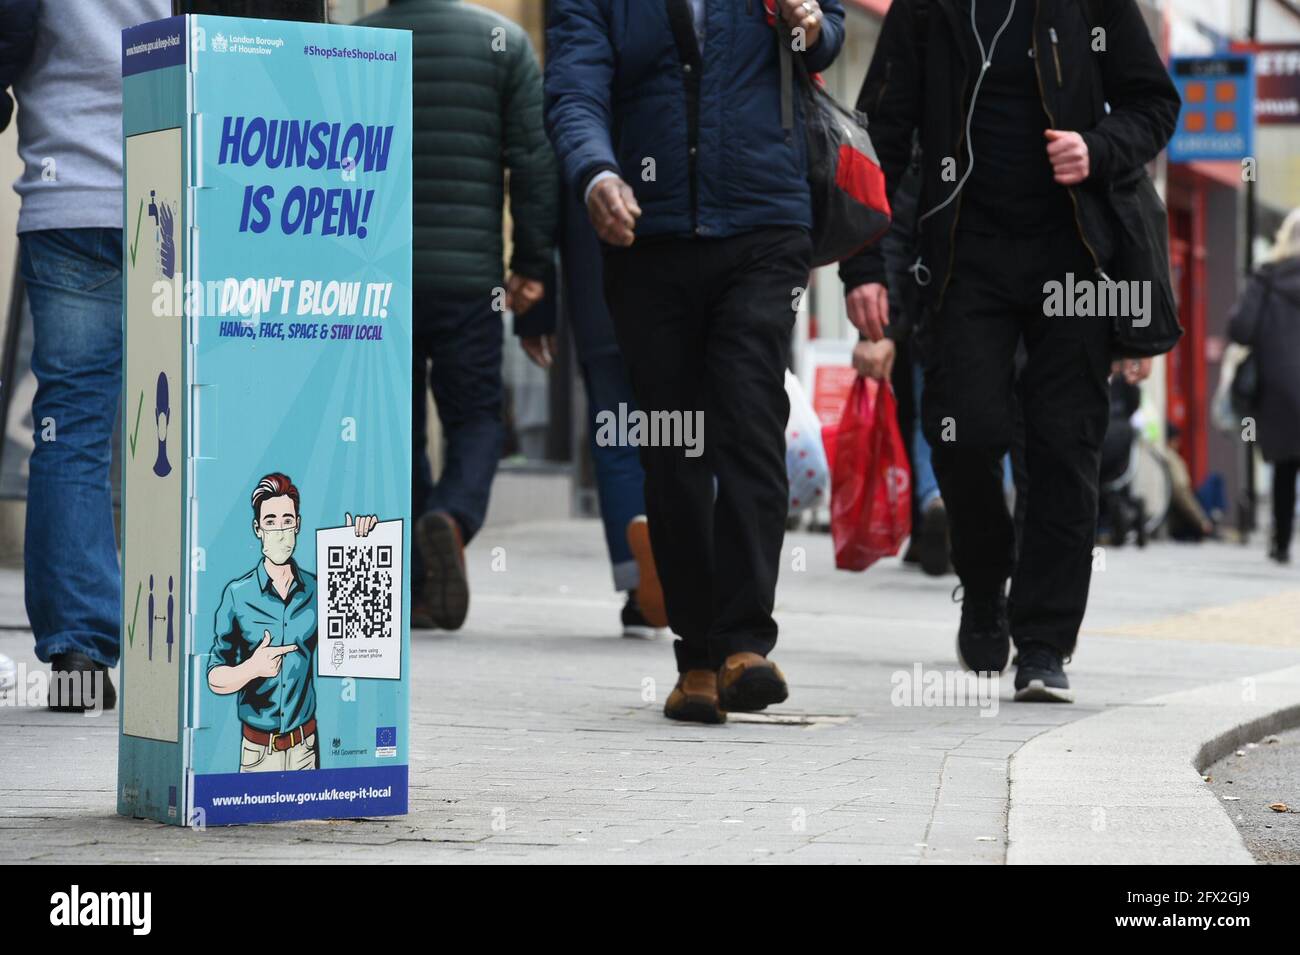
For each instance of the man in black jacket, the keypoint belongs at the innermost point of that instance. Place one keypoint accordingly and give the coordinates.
(1060, 99)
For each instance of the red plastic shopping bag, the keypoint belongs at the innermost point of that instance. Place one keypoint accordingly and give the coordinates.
(871, 482)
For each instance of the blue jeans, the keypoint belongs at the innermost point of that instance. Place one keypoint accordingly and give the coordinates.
(72, 581)
(619, 478)
(925, 486)
(457, 352)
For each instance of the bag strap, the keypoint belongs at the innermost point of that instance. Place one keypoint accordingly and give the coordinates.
(786, 56)
(921, 26)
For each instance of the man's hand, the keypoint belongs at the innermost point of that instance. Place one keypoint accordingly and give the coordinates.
(613, 211)
(1069, 155)
(1133, 369)
(522, 293)
(540, 349)
(868, 308)
(266, 659)
(365, 523)
(874, 359)
(805, 15)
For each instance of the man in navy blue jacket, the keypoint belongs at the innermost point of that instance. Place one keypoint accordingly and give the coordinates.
(666, 118)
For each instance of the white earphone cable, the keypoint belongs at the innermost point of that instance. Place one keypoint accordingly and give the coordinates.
(986, 60)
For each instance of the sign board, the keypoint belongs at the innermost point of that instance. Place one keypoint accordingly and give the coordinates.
(266, 455)
(1218, 117)
(1277, 82)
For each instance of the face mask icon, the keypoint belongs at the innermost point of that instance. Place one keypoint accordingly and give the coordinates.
(162, 415)
(278, 545)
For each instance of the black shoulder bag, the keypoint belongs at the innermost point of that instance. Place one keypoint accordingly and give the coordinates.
(1141, 226)
(850, 207)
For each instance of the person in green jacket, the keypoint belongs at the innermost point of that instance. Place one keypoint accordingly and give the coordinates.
(477, 117)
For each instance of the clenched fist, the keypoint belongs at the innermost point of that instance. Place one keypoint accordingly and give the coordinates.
(805, 15)
(613, 211)
(1069, 155)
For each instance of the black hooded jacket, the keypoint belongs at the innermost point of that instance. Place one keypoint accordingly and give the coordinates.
(1099, 74)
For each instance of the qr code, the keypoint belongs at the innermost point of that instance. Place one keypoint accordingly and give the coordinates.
(359, 592)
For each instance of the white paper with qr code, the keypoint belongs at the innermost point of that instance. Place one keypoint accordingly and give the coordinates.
(359, 602)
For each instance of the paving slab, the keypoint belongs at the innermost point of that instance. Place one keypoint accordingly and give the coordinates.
(537, 734)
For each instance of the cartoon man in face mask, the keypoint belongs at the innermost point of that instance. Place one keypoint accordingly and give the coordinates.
(265, 638)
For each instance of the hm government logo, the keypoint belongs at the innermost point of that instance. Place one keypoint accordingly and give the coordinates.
(74, 908)
(338, 749)
(219, 43)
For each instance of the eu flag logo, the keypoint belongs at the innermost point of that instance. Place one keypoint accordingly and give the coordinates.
(385, 736)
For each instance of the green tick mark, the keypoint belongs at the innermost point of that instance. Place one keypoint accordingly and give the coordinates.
(136, 432)
(136, 244)
(130, 631)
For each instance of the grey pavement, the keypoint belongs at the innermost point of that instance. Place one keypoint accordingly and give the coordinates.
(1125, 786)
(1259, 784)
(537, 734)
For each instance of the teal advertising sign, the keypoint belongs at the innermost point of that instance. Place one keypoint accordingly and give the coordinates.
(267, 320)
(1218, 116)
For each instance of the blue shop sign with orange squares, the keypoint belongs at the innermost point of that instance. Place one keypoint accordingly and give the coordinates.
(1218, 117)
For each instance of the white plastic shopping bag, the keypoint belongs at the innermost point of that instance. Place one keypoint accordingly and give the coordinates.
(805, 457)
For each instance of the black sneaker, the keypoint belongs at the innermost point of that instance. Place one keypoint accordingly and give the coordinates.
(1279, 555)
(78, 683)
(984, 637)
(635, 625)
(1040, 677)
(932, 540)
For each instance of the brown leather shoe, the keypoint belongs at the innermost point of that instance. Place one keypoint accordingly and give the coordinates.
(444, 592)
(748, 682)
(695, 698)
(649, 591)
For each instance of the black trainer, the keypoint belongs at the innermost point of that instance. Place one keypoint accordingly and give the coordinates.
(635, 625)
(1040, 677)
(984, 637)
(78, 683)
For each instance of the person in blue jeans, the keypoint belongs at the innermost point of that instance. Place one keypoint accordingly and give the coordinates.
(63, 63)
(620, 479)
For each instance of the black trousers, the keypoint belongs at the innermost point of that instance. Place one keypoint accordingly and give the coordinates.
(1284, 475)
(704, 326)
(456, 352)
(996, 299)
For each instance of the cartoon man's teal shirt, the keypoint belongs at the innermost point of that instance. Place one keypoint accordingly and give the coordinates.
(249, 608)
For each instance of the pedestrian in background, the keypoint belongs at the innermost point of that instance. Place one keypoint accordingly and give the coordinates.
(1054, 124)
(929, 546)
(69, 93)
(1267, 320)
(477, 118)
(667, 121)
(620, 480)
